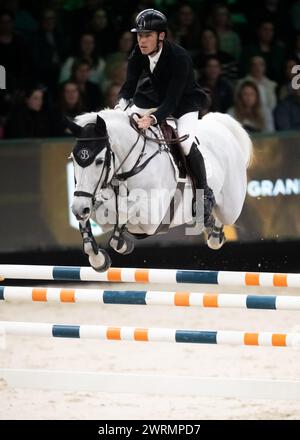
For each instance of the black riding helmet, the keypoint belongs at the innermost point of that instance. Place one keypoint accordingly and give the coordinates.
(150, 20)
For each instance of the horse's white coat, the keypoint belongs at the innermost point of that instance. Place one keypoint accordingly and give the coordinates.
(226, 148)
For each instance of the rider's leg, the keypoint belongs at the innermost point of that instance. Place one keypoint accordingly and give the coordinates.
(195, 163)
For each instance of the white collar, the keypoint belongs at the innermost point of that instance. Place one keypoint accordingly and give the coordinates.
(154, 59)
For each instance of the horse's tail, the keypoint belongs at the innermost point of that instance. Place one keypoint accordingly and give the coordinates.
(238, 132)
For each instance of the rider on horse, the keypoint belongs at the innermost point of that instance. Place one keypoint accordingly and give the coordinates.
(173, 89)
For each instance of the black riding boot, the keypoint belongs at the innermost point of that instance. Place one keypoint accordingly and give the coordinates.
(196, 168)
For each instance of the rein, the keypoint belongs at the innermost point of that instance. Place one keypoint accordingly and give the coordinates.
(158, 140)
(136, 167)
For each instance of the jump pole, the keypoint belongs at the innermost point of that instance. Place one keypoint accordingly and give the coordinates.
(138, 334)
(174, 276)
(149, 298)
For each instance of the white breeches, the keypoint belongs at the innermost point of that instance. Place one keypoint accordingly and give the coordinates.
(186, 124)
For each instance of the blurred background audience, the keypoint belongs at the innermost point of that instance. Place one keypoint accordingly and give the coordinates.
(248, 109)
(65, 57)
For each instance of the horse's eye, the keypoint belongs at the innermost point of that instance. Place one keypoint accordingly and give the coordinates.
(99, 161)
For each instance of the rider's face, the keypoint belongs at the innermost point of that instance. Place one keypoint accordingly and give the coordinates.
(147, 41)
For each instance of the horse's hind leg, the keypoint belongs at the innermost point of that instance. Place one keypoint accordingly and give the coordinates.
(215, 234)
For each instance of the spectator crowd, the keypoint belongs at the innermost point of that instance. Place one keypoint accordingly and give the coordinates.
(65, 57)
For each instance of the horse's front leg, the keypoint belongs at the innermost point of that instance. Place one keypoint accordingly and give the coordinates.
(99, 259)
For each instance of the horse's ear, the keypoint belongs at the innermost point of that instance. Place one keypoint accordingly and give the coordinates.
(72, 126)
(100, 126)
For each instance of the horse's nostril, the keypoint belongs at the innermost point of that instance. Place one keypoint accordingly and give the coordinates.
(86, 211)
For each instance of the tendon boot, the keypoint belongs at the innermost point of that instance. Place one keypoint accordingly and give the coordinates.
(196, 169)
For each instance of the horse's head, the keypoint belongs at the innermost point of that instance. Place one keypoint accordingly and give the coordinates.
(92, 159)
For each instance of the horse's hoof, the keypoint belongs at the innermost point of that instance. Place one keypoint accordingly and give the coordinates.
(215, 244)
(127, 245)
(100, 262)
(216, 238)
(130, 247)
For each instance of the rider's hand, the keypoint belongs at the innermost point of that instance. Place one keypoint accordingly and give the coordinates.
(145, 122)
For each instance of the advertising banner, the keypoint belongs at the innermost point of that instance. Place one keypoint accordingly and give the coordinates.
(37, 183)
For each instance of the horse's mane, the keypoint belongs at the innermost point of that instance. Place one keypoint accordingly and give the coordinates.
(107, 114)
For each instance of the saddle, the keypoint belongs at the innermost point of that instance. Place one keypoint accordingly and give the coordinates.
(172, 140)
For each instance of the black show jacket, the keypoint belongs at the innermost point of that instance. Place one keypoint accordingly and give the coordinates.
(172, 81)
